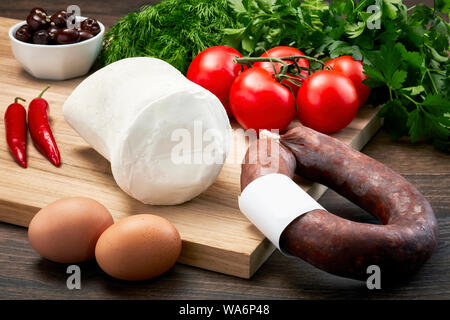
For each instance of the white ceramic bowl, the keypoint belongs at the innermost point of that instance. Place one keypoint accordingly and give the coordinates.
(56, 62)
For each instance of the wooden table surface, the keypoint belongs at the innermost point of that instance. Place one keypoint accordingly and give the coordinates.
(24, 275)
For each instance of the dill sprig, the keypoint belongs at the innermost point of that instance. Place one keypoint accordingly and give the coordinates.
(172, 30)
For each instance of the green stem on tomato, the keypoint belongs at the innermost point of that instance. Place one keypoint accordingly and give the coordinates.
(292, 80)
(293, 58)
(292, 93)
(251, 60)
(283, 72)
(285, 67)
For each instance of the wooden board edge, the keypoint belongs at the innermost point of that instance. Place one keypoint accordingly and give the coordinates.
(259, 256)
(369, 131)
(12, 210)
(214, 259)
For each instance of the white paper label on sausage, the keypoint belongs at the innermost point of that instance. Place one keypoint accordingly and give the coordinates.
(272, 202)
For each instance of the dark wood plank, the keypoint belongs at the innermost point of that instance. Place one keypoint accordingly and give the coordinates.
(108, 12)
(24, 275)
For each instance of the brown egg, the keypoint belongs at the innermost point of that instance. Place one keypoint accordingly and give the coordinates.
(138, 247)
(67, 230)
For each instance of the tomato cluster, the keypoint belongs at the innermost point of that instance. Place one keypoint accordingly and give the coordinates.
(259, 98)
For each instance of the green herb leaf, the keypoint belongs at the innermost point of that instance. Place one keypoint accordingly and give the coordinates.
(421, 15)
(427, 126)
(413, 58)
(413, 91)
(355, 30)
(437, 104)
(417, 125)
(157, 31)
(395, 118)
(397, 79)
(238, 6)
(443, 6)
(375, 79)
(390, 7)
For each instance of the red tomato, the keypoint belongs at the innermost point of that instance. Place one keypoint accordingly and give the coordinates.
(214, 70)
(354, 70)
(284, 51)
(259, 102)
(327, 101)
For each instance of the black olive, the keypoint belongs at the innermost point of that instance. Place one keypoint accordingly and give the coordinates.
(38, 21)
(52, 31)
(90, 25)
(41, 37)
(67, 36)
(60, 19)
(24, 33)
(38, 11)
(84, 35)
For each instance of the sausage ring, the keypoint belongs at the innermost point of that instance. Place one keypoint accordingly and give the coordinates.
(408, 234)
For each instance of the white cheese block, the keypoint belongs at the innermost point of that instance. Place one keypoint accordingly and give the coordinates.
(135, 112)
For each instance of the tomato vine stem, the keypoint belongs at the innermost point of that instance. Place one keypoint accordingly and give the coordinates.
(293, 68)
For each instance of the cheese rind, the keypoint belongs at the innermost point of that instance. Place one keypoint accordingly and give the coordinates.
(131, 111)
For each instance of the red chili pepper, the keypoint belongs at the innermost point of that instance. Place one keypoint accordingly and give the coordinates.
(16, 131)
(40, 131)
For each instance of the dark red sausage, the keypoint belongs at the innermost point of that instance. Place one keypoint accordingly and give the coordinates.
(400, 246)
(266, 156)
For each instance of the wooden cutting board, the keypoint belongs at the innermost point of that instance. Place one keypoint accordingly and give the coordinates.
(216, 236)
